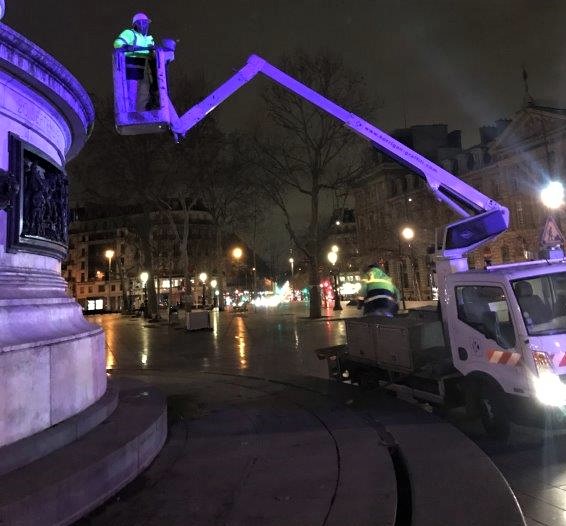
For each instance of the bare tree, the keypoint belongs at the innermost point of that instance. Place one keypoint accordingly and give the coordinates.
(307, 153)
(147, 173)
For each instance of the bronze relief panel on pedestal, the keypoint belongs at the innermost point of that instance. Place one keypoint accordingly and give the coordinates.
(38, 212)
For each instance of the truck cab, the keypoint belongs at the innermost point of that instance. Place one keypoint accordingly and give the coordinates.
(506, 326)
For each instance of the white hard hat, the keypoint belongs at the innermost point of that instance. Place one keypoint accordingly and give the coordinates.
(140, 16)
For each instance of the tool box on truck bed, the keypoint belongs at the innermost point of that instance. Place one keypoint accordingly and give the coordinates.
(404, 343)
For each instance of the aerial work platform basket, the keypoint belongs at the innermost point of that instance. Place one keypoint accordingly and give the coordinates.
(128, 117)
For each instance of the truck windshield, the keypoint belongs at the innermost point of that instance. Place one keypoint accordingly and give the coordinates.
(542, 300)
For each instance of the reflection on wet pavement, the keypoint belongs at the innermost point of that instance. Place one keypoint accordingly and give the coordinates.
(280, 340)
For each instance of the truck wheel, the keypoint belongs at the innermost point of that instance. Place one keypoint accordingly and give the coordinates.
(493, 412)
(472, 399)
(368, 382)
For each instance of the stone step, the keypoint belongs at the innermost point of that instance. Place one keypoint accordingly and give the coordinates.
(66, 484)
(30, 449)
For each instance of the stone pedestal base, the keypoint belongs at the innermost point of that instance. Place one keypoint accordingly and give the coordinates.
(52, 361)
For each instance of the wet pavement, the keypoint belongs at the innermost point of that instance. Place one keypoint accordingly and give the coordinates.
(281, 341)
(278, 340)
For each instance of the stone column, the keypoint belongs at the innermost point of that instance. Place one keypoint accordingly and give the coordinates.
(52, 361)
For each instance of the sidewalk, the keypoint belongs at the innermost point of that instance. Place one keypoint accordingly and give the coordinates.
(245, 450)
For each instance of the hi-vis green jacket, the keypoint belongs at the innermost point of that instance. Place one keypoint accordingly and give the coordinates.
(130, 37)
(376, 280)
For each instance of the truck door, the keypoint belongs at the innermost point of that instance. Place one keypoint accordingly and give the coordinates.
(482, 333)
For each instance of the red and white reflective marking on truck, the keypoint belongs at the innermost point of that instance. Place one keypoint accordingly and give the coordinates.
(559, 359)
(503, 357)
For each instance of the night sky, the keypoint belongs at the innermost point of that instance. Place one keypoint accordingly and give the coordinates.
(457, 62)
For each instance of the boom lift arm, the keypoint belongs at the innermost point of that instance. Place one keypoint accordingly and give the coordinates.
(484, 218)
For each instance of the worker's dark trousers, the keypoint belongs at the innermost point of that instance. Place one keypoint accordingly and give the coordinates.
(141, 75)
(380, 302)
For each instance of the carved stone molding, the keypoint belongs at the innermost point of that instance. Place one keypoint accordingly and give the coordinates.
(27, 62)
(9, 187)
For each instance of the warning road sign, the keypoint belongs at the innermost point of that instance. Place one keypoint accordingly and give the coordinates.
(551, 235)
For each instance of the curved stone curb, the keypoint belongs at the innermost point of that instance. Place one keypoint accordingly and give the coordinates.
(65, 485)
(452, 481)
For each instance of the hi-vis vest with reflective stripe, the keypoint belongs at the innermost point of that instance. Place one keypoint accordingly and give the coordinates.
(129, 37)
(376, 279)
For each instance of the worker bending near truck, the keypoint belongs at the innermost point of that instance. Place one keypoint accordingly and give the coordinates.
(140, 64)
(380, 296)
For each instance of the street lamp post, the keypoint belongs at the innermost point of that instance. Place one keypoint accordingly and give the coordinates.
(144, 276)
(552, 196)
(333, 258)
(407, 234)
(237, 254)
(214, 284)
(109, 255)
(203, 276)
(292, 262)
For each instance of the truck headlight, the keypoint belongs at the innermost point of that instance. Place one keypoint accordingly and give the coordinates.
(549, 389)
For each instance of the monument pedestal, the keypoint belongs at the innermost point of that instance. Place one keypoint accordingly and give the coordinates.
(52, 360)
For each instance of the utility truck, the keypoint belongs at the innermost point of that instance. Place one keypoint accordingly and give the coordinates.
(497, 341)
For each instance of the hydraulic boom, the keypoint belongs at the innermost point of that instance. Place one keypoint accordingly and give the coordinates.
(484, 218)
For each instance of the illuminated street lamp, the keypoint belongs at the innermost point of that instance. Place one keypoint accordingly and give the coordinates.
(552, 195)
(144, 276)
(203, 276)
(407, 233)
(109, 254)
(333, 258)
(335, 248)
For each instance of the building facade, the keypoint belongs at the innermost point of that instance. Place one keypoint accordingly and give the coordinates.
(99, 282)
(513, 161)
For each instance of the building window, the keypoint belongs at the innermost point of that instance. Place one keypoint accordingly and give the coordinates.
(505, 254)
(520, 214)
(90, 290)
(82, 277)
(101, 288)
(82, 290)
(485, 309)
(83, 252)
(113, 288)
(82, 265)
(495, 188)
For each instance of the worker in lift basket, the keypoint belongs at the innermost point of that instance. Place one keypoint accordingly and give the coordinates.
(379, 294)
(140, 64)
